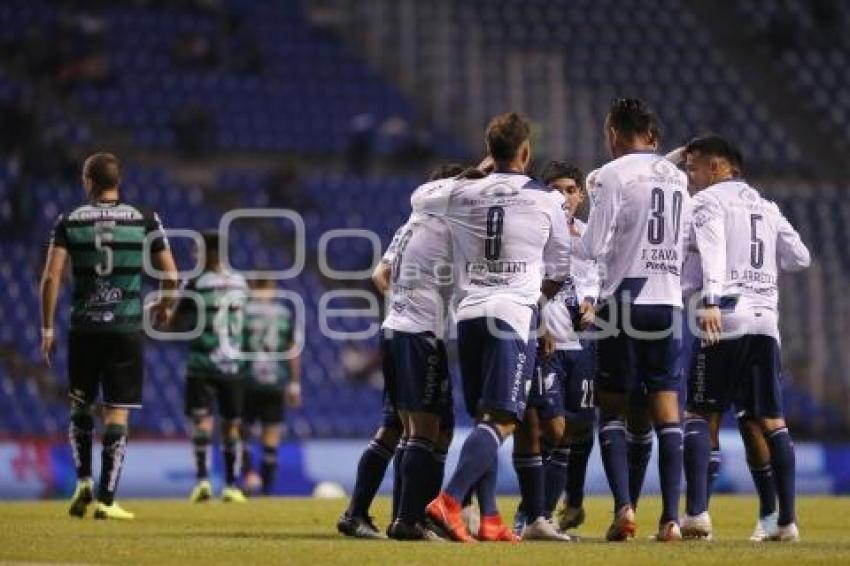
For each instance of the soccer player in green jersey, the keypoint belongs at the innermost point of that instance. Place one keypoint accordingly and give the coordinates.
(273, 371)
(105, 241)
(213, 372)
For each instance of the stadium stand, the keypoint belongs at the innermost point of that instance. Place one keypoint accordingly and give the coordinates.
(807, 43)
(584, 52)
(296, 89)
(254, 76)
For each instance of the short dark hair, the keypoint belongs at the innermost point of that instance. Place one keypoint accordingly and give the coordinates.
(104, 171)
(715, 146)
(555, 170)
(211, 241)
(632, 117)
(446, 171)
(505, 133)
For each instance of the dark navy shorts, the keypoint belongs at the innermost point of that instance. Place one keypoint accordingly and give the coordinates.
(496, 370)
(416, 373)
(690, 342)
(627, 363)
(745, 372)
(563, 385)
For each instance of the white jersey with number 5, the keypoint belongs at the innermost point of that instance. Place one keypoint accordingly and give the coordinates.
(636, 229)
(508, 231)
(744, 240)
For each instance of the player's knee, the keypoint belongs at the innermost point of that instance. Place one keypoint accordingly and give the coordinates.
(202, 423)
(445, 439)
(612, 401)
(82, 415)
(503, 421)
(580, 432)
(389, 435)
(425, 425)
(230, 428)
(664, 407)
(116, 416)
(271, 435)
(769, 425)
(554, 431)
(756, 448)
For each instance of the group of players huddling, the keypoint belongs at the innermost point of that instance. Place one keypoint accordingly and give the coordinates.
(558, 321)
(243, 353)
(558, 324)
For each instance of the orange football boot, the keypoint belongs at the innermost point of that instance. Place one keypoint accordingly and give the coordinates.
(445, 515)
(493, 529)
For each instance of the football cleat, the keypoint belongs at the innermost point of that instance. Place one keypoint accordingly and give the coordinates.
(202, 492)
(697, 527)
(444, 517)
(786, 533)
(668, 532)
(82, 498)
(624, 527)
(114, 511)
(232, 494)
(571, 517)
(493, 529)
(765, 527)
(544, 529)
(401, 530)
(358, 527)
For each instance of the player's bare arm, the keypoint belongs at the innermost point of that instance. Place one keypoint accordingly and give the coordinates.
(381, 277)
(162, 309)
(51, 283)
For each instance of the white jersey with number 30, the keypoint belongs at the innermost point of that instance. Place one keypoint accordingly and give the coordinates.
(636, 228)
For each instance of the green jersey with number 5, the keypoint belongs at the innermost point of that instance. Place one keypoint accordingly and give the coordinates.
(105, 242)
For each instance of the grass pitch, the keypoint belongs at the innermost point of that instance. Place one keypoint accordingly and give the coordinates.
(302, 531)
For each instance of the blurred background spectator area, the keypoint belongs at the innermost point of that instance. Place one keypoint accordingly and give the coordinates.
(338, 109)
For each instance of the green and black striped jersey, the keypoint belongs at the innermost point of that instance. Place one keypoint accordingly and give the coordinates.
(269, 332)
(218, 349)
(105, 241)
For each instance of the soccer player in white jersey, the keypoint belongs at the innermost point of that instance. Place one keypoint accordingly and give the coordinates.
(638, 422)
(561, 409)
(743, 240)
(634, 229)
(507, 231)
(414, 355)
(372, 467)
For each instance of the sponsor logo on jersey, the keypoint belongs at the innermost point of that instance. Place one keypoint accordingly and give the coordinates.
(748, 194)
(499, 190)
(104, 295)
